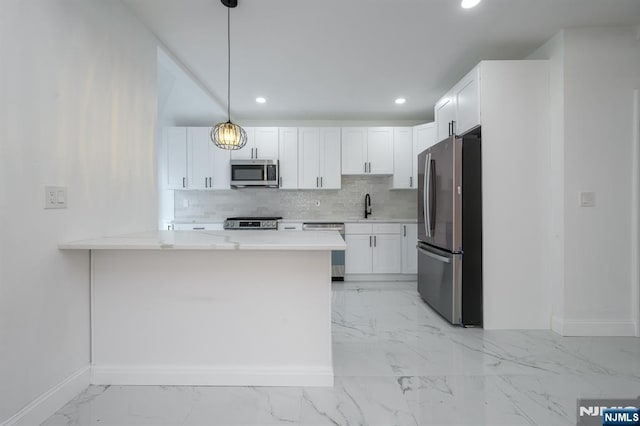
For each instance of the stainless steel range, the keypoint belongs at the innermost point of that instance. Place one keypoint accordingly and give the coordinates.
(265, 223)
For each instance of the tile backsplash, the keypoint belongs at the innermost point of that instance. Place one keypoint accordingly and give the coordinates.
(339, 204)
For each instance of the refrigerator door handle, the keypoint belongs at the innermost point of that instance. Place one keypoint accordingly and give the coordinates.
(433, 255)
(427, 195)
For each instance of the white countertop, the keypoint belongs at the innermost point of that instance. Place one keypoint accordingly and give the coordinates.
(213, 240)
(373, 220)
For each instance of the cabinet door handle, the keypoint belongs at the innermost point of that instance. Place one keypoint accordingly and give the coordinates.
(453, 128)
(369, 167)
(365, 167)
(280, 179)
(405, 230)
(256, 152)
(375, 241)
(321, 184)
(252, 153)
(206, 182)
(370, 245)
(184, 182)
(210, 184)
(449, 130)
(410, 181)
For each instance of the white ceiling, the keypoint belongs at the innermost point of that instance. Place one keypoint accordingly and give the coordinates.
(349, 59)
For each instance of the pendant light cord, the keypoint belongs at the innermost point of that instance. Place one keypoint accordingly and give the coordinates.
(229, 63)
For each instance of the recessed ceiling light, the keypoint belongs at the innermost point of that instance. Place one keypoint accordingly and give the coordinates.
(468, 4)
(261, 100)
(400, 101)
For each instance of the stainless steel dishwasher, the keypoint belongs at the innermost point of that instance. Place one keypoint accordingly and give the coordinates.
(337, 256)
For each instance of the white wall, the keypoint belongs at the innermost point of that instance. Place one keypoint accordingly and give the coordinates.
(600, 69)
(78, 108)
(553, 265)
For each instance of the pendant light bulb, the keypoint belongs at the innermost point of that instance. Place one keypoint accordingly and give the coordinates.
(228, 135)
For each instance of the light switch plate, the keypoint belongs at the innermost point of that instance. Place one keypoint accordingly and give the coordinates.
(587, 199)
(55, 197)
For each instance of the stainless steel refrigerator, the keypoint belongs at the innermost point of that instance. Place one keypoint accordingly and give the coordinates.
(450, 228)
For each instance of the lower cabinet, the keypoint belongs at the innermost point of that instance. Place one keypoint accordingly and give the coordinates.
(409, 251)
(373, 248)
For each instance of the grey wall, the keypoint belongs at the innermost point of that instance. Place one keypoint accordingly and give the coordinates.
(346, 203)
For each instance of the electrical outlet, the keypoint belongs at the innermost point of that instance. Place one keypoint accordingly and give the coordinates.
(55, 197)
(587, 199)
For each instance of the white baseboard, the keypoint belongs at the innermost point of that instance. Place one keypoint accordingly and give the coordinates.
(43, 407)
(557, 324)
(567, 327)
(212, 376)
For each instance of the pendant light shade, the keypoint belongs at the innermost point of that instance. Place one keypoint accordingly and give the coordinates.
(228, 135)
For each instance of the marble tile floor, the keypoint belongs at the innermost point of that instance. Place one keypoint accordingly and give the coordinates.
(397, 363)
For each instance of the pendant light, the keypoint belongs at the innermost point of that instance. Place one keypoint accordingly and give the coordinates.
(229, 135)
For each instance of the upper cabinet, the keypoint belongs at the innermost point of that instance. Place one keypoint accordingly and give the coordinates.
(175, 144)
(367, 150)
(207, 165)
(403, 158)
(319, 158)
(288, 154)
(262, 143)
(458, 111)
(193, 161)
(408, 142)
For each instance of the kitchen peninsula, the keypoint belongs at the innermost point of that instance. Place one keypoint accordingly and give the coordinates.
(243, 308)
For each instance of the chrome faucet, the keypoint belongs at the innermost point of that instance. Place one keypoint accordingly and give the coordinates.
(367, 206)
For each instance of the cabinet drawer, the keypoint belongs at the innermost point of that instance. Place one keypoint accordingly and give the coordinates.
(387, 228)
(358, 228)
(290, 226)
(198, 227)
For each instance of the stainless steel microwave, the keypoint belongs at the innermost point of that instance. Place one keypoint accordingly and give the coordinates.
(249, 173)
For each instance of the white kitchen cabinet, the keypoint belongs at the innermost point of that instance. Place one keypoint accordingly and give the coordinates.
(288, 154)
(467, 101)
(330, 167)
(193, 161)
(216, 226)
(358, 256)
(408, 142)
(262, 143)
(373, 248)
(409, 251)
(266, 143)
(290, 226)
(458, 111)
(445, 115)
(246, 153)
(354, 150)
(175, 140)
(387, 253)
(208, 166)
(199, 158)
(308, 158)
(367, 150)
(403, 154)
(380, 150)
(319, 158)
